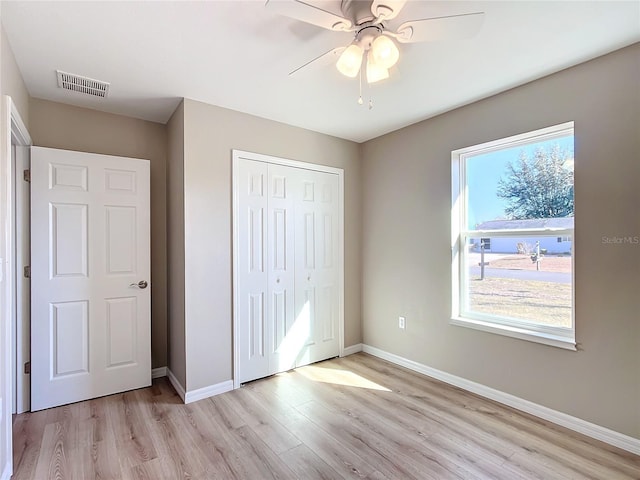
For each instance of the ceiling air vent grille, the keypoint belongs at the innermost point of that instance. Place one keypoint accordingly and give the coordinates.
(88, 86)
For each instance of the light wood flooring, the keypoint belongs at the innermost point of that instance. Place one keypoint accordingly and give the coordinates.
(354, 417)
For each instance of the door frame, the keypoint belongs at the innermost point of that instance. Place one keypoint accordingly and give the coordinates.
(20, 321)
(15, 132)
(239, 155)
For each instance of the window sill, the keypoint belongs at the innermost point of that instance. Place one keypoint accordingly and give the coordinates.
(515, 332)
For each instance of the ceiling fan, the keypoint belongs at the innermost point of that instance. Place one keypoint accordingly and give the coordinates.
(373, 48)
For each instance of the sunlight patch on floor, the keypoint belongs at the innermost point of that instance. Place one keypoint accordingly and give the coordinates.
(294, 340)
(338, 377)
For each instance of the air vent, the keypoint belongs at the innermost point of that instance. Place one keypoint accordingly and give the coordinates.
(85, 85)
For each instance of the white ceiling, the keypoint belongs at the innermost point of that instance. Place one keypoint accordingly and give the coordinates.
(237, 54)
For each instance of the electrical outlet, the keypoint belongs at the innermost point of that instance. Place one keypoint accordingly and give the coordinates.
(401, 322)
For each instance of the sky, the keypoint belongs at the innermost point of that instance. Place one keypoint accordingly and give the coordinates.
(483, 173)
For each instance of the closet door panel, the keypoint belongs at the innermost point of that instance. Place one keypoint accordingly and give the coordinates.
(316, 269)
(254, 301)
(326, 342)
(305, 260)
(282, 343)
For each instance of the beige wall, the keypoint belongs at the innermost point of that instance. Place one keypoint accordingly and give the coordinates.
(72, 128)
(12, 82)
(406, 243)
(210, 134)
(175, 246)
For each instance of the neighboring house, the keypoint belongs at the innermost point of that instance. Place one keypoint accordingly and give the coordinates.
(553, 244)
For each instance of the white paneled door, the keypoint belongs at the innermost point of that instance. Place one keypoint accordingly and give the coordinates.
(280, 268)
(287, 274)
(316, 304)
(252, 262)
(90, 273)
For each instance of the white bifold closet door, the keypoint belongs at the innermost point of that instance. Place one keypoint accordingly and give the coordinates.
(286, 268)
(316, 272)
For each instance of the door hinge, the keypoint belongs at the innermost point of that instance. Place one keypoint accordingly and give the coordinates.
(27, 368)
(26, 174)
(27, 272)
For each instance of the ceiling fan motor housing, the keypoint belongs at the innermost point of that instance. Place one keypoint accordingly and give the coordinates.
(367, 34)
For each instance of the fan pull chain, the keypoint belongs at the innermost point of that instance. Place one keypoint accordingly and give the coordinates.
(360, 101)
(370, 98)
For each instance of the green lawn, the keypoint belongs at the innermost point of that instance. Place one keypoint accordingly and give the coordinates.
(543, 302)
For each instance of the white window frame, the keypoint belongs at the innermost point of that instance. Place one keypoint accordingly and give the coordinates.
(562, 337)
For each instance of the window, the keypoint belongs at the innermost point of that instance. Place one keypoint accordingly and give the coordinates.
(514, 197)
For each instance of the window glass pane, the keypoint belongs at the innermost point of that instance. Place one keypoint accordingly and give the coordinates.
(524, 278)
(513, 221)
(520, 187)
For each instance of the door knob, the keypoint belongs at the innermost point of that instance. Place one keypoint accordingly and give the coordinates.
(141, 284)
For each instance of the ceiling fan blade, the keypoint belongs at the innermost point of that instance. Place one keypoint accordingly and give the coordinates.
(321, 61)
(308, 13)
(387, 9)
(440, 28)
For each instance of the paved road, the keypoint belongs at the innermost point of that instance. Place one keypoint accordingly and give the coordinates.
(555, 277)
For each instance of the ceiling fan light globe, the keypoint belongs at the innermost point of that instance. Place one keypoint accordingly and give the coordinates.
(349, 62)
(375, 71)
(385, 52)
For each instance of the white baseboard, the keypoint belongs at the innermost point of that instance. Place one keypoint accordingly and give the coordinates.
(176, 384)
(159, 372)
(589, 429)
(352, 349)
(201, 393)
(210, 391)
